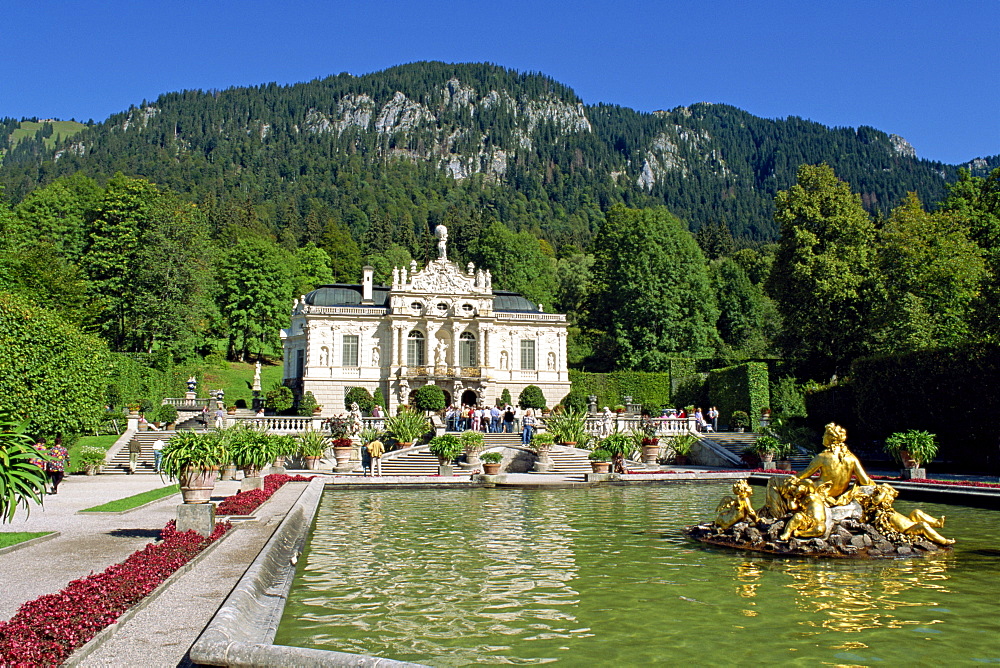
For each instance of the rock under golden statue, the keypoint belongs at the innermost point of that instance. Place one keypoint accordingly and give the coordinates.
(825, 516)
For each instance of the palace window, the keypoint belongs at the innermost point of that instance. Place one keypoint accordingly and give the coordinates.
(527, 354)
(467, 352)
(415, 349)
(350, 356)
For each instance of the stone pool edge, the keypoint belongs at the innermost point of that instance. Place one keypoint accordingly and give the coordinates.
(242, 631)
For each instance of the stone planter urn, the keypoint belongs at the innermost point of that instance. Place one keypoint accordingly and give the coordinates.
(543, 463)
(491, 468)
(197, 484)
(649, 455)
(92, 469)
(472, 460)
(601, 467)
(312, 463)
(228, 472)
(251, 472)
(784, 465)
(343, 456)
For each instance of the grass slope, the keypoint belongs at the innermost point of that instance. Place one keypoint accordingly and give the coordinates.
(103, 441)
(61, 129)
(236, 378)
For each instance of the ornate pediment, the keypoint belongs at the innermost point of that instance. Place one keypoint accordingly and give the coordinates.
(443, 277)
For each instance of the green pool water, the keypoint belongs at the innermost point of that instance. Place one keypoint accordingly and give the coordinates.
(603, 576)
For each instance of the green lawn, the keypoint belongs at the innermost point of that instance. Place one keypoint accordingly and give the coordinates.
(104, 441)
(8, 538)
(237, 380)
(135, 501)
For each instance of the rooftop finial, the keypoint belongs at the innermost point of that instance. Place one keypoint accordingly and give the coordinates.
(441, 232)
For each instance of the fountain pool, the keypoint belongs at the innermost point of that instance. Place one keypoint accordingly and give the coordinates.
(604, 576)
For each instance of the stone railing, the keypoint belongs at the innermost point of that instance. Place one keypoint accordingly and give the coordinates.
(536, 317)
(664, 426)
(346, 310)
(280, 424)
(181, 402)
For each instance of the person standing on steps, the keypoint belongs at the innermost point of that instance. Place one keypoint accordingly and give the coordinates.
(134, 448)
(375, 450)
(158, 453)
(528, 424)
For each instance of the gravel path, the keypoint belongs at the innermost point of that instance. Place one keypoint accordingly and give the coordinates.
(89, 542)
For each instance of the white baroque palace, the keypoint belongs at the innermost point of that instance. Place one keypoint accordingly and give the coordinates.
(441, 325)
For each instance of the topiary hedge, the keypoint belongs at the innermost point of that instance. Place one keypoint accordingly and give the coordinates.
(531, 397)
(743, 387)
(429, 398)
(361, 397)
(652, 390)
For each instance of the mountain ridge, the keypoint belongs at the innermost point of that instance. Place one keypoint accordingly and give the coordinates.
(520, 145)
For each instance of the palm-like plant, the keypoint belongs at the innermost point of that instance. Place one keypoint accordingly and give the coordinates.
(446, 446)
(21, 481)
(312, 444)
(568, 427)
(620, 446)
(191, 450)
(251, 448)
(407, 425)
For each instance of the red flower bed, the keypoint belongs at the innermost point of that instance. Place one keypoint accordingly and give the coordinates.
(244, 503)
(47, 630)
(641, 472)
(959, 483)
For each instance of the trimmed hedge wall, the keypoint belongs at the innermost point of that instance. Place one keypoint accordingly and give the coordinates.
(743, 387)
(649, 389)
(951, 392)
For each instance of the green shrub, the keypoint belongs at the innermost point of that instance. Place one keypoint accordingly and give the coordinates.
(505, 398)
(492, 457)
(429, 398)
(739, 420)
(576, 400)
(531, 397)
(308, 404)
(472, 440)
(599, 455)
(279, 399)
(378, 399)
(406, 426)
(361, 397)
(167, 414)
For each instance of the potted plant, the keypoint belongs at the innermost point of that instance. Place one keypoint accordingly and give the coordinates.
(912, 449)
(231, 410)
(446, 447)
(312, 447)
(766, 448)
(90, 460)
(472, 443)
(600, 460)
(650, 450)
(620, 446)
(739, 421)
(619, 408)
(194, 459)
(283, 447)
(407, 426)
(133, 410)
(491, 462)
(682, 444)
(568, 427)
(250, 449)
(167, 416)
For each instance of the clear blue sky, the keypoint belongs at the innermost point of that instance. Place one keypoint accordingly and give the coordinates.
(926, 70)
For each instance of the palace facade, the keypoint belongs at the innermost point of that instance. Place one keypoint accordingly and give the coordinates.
(441, 325)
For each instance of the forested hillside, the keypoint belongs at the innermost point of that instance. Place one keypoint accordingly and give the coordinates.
(393, 153)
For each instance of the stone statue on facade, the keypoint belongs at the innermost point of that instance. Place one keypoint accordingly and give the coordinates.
(441, 232)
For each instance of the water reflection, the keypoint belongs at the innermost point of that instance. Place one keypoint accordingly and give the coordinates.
(603, 576)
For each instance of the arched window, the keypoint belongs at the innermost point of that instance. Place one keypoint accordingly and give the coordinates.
(468, 355)
(415, 349)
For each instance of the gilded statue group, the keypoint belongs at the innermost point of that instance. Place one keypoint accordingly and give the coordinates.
(815, 504)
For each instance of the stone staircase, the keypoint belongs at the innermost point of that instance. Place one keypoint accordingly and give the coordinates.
(736, 443)
(144, 464)
(569, 461)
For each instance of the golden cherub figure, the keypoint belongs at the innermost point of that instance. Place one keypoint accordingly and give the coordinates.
(736, 509)
(809, 501)
(883, 516)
